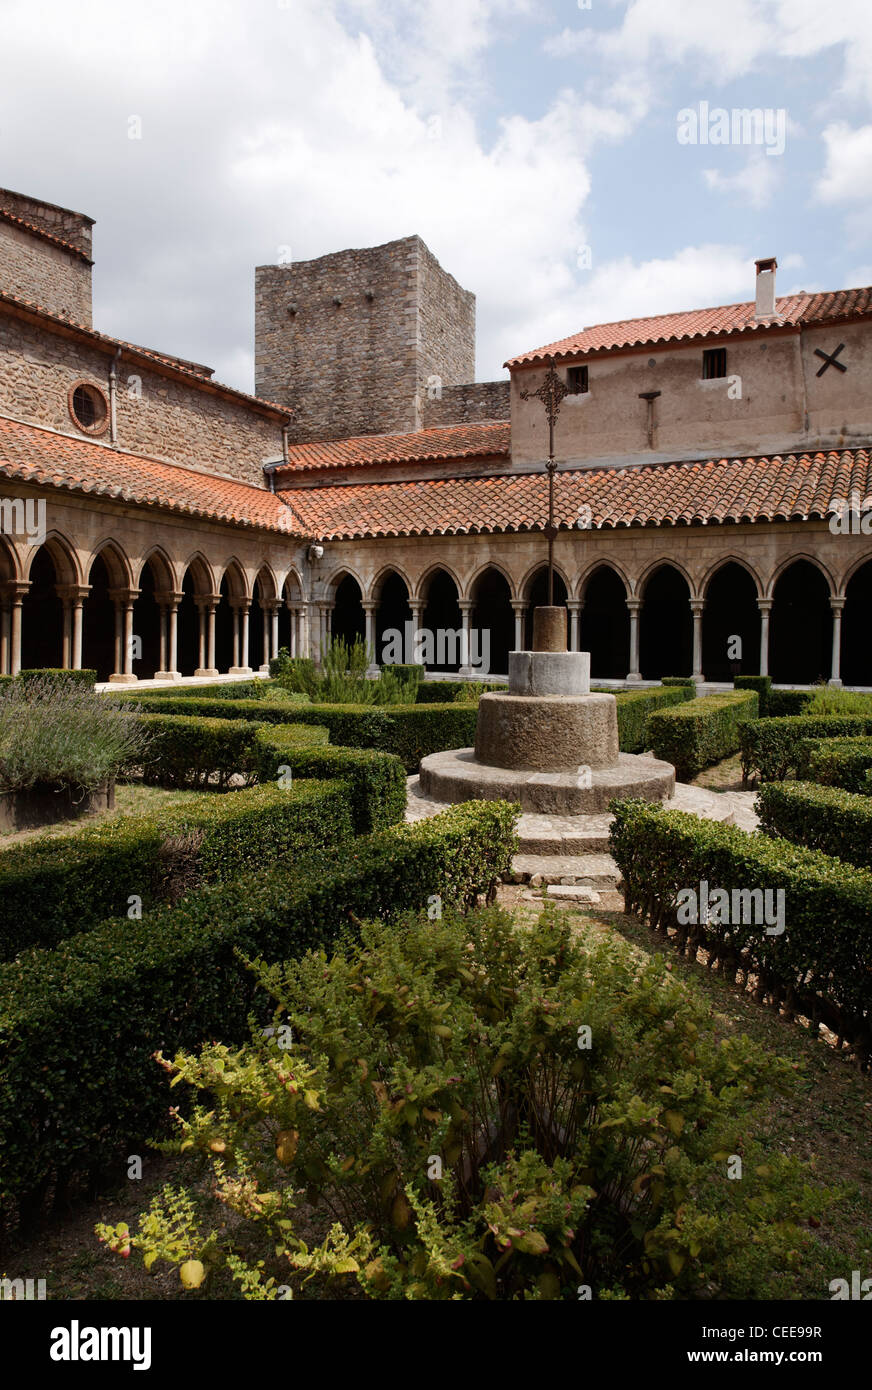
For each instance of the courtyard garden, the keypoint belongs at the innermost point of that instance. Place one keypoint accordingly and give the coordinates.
(260, 1038)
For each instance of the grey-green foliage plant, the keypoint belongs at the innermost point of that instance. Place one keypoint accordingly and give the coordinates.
(63, 734)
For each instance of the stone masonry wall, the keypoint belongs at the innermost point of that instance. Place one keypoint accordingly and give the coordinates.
(70, 226)
(469, 404)
(360, 365)
(34, 269)
(155, 415)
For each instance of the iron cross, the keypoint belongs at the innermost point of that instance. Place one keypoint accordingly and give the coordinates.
(551, 394)
(830, 359)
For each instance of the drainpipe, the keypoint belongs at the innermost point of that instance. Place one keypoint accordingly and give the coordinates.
(113, 383)
(285, 428)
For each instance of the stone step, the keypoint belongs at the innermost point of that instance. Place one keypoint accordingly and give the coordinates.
(589, 870)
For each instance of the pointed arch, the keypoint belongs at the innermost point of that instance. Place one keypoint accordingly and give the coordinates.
(430, 573)
(730, 560)
(605, 621)
(785, 565)
(161, 567)
(62, 555)
(596, 565)
(118, 566)
(498, 568)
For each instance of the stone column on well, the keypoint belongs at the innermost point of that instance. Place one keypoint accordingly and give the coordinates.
(466, 606)
(519, 608)
(765, 606)
(370, 607)
(837, 604)
(696, 607)
(634, 605)
(574, 606)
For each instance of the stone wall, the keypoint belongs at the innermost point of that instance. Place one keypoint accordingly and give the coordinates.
(70, 226)
(349, 340)
(156, 414)
(34, 269)
(467, 405)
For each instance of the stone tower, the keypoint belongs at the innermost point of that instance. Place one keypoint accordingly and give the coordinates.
(355, 341)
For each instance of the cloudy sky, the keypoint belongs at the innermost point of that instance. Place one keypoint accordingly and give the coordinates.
(536, 145)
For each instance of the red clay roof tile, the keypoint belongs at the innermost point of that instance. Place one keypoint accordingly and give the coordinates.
(448, 442)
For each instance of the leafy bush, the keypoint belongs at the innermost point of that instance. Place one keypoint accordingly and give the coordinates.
(771, 748)
(6, 681)
(826, 818)
(454, 692)
(763, 687)
(469, 1144)
(80, 1023)
(833, 700)
(44, 675)
(377, 781)
(61, 733)
(702, 732)
(635, 707)
(190, 751)
(836, 762)
(786, 702)
(297, 674)
(52, 887)
(820, 966)
(687, 681)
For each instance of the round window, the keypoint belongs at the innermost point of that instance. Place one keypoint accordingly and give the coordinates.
(89, 407)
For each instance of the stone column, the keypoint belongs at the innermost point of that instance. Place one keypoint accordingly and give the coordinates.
(466, 607)
(274, 627)
(240, 639)
(201, 637)
(264, 665)
(417, 606)
(173, 672)
(765, 606)
(123, 600)
(211, 612)
(696, 607)
(17, 590)
(519, 608)
(5, 643)
(207, 607)
(575, 606)
(634, 675)
(837, 604)
(66, 659)
(78, 597)
(370, 608)
(162, 660)
(293, 644)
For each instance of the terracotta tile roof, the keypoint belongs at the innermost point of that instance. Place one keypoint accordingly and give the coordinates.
(14, 221)
(791, 310)
(781, 488)
(34, 455)
(191, 371)
(449, 442)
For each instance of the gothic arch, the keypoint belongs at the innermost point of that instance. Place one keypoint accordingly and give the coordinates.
(161, 567)
(425, 580)
(117, 564)
(730, 560)
(482, 569)
(375, 588)
(590, 571)
(650, 570)
(63, 557)
(792, 560)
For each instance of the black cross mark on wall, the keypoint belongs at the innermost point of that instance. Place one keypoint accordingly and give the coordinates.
(830, 359)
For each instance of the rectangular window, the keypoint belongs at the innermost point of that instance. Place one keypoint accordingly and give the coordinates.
(714, 363)
(576, 380)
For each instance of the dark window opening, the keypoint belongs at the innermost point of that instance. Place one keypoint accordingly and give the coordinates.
(89, 408)
(714, 363)
(576, 380)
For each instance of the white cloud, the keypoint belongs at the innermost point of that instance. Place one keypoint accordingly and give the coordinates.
(753, 185)
(847, 176)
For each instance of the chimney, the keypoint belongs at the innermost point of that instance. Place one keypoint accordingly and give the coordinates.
(764, 307)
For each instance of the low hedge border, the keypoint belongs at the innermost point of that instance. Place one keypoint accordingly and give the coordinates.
(259, 690)
(771, 747)
(635, 708)
(199, 751)
(58, 675)
(820, 966)
(702, 731)
(780, 703)
(836, 762)
(52, 888)
(837, 822)
(80, 1025)
(376, 781)
(455, 692)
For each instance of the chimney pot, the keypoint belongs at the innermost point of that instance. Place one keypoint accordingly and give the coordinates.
(764, 307)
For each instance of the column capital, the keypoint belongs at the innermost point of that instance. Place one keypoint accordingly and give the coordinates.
(575, 605)
(207, 603)
(519, 605)
(124, 595)
(837, 604)
(765, 604)
(15, 589)
(75, 593)
(634, 604)
(466, 605)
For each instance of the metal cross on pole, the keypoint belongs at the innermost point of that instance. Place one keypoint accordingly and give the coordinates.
(551, 393)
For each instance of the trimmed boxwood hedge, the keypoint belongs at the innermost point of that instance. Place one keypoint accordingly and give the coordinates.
(697, 734)
(826, 818)
(455, 692)
(772, 747)
(262, 689)
(821, 966)
(787, 702)
(58, 675)
(763, 687)
(377, 781)
(79, 1025)
(836, 762)
(636, 706)
(57, 886)
(194, 751)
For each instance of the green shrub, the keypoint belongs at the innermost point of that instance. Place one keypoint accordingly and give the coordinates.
(819, 966)
(190, 751)
(836, 762)
(686, 681)
(635, 707)
(411, 674)
(771, 748)
(202, 705)
(297, 674)
(826, 818)
(60, 733)
(763, 687)
(454, 692)
(781, 703)
(833, 700)
(6, 681)
(702, 732)
(80, 1024)
(377, 781)
(270, 691)
(55, 887)
(43, 675)
(558, 1163)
